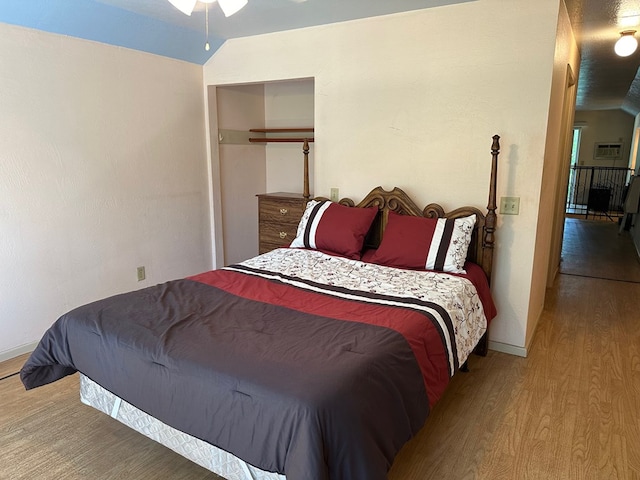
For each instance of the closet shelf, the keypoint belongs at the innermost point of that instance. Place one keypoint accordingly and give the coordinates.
(283, 139)
(266, 139)
(282, 130)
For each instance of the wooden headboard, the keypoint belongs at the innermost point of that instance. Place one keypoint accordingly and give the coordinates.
(481, 247)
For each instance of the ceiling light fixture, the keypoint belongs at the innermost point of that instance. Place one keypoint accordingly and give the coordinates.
(626, 44)
(229, 7)
(185, 6)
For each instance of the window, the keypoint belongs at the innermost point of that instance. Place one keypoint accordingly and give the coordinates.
(575, 145)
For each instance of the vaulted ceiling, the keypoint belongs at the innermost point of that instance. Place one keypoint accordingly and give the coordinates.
(156, 26)
(605, 81)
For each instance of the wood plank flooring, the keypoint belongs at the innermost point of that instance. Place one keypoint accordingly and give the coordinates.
(593, 248)
(47, 434)
(571, 410)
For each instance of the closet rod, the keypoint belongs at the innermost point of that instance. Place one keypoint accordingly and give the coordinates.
(281, 130)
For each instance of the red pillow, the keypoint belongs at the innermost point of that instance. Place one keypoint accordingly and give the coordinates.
(334, 228)
(426, 243)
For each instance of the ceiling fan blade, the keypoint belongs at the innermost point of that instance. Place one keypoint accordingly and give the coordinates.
(185, 6)
(229, 7)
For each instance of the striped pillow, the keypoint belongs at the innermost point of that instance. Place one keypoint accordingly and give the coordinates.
(334, 228)
(425, 243)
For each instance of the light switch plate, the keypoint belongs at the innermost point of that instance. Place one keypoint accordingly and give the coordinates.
(335, 193)
(509, 205)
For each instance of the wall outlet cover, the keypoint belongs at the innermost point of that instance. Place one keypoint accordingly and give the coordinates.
(141, 274)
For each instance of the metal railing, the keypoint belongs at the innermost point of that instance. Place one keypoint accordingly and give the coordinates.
(597, 191)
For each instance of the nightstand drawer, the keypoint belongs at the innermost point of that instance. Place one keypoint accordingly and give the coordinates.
(279, 215)
(284, 212)
(278, 235)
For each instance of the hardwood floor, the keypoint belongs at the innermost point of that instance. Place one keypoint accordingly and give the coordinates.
(593, 248)
(47, 434)
(571, 410)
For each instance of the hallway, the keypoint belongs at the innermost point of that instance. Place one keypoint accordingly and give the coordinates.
(594, 248)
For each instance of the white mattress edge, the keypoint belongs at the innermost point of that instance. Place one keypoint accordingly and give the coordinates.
(204, 454)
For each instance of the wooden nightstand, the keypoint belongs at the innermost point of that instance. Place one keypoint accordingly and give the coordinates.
(278, 217)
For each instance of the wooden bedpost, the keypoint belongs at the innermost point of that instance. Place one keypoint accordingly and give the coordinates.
(305, 151)
(490, 220)
(488, 238)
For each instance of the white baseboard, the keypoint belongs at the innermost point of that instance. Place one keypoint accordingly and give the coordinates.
(16, 352)
(506, 348)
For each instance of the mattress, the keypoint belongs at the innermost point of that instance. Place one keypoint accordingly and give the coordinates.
(204, 454)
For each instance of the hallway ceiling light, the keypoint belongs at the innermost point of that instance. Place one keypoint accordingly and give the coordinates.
(229, 7)
(626, 44)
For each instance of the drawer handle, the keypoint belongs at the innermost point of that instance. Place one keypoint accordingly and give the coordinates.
(283, 211)
(283, 235)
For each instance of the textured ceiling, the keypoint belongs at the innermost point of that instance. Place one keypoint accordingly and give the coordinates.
(605, 81)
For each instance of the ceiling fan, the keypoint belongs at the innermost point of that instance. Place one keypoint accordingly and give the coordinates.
(229, 7)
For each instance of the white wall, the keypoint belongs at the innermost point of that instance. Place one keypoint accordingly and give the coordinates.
(550, 225)
(287, 105)
(401, 100)
(102, 169)
(242, 170)
(603, 126)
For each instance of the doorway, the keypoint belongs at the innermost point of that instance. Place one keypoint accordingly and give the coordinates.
(599, 171)
(571, 203)
(242, 169)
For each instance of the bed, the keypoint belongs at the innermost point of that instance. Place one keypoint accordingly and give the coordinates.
(318, 361)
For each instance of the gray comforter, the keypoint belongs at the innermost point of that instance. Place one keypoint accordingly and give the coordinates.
(298, 394)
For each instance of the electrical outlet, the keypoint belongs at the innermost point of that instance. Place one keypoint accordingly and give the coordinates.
(141, 274)
(335, 194)
(509, 205)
